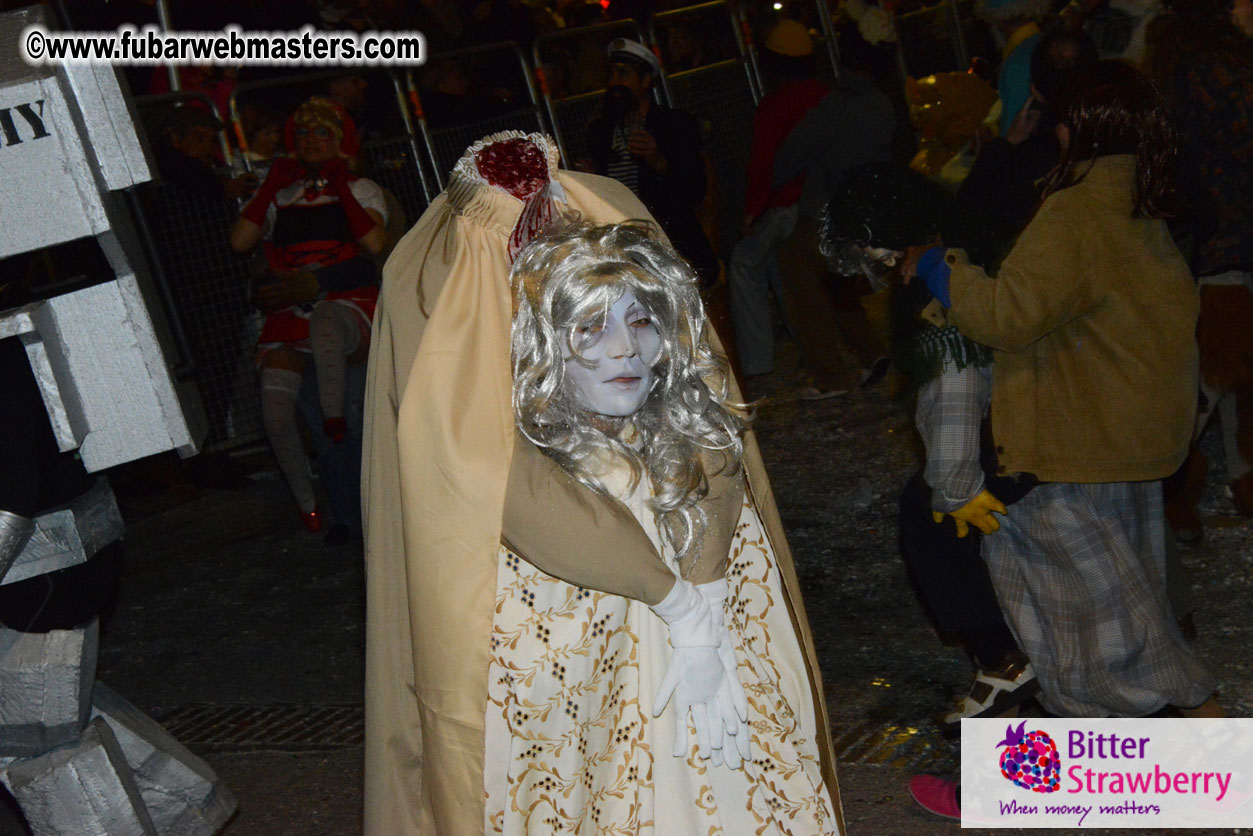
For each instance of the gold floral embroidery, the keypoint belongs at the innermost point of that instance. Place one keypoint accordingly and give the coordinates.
(568, 733)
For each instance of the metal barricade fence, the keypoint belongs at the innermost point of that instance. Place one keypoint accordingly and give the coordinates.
(209, 286)
(827, 49)
(721, 95)
(519, 109)
(390, 153)
(575, 112)
(817, 18)
(186, 233)
(393, 164)
(572, 65)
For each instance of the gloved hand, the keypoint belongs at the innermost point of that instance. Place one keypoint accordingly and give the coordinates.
(933, 270)
(360, 223)
(977, 512)
(738, 748)
(336, 173)
(696, 677)
(283, 172)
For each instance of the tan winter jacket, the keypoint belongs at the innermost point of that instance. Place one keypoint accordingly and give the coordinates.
(1093, 316)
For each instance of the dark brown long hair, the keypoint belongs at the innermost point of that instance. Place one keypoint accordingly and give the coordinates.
(1111, 108)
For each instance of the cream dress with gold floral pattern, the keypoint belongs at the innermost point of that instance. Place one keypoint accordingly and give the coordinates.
(571, 743)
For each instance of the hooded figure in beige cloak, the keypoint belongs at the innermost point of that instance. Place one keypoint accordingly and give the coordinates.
(454, 497)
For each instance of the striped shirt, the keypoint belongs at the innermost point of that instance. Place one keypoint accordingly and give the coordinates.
(622, 166)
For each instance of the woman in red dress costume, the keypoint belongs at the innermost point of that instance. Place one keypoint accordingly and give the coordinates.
(318, 224)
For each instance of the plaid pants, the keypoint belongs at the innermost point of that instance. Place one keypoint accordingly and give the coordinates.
(1080, 573)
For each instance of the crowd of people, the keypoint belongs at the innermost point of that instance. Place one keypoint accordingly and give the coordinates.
(1057, 371)
(1070, 273)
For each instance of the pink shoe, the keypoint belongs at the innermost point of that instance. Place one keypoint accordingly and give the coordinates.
(335, 429)
(935, 795)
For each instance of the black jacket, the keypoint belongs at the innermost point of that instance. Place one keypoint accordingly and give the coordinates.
(672, 198)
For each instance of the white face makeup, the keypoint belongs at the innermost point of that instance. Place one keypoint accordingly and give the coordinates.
(622, 349)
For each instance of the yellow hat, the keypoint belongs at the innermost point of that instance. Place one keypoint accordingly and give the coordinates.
(790, 38)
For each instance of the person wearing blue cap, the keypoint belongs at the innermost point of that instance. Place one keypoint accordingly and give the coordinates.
(654, 150)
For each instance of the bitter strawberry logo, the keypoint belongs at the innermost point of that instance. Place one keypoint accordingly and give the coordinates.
(1030, 759)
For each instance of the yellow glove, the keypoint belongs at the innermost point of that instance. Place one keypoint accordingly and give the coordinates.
(976, 512)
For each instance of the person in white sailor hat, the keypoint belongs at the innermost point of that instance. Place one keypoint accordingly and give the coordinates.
(654, 150)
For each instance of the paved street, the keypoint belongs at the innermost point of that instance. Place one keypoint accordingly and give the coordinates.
(244, 635)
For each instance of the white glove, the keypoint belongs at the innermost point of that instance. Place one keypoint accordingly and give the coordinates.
(738, 748)
(696, 677)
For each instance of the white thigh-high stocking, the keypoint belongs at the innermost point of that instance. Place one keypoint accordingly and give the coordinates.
(279, 389)
(333, 334)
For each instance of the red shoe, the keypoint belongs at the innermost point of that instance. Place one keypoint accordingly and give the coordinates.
(935, 795)
(336, 429)
(312, 520)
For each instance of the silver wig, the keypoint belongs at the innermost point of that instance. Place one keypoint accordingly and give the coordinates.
(571, 276)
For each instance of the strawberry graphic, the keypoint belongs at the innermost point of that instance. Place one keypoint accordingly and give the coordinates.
(1030, 759)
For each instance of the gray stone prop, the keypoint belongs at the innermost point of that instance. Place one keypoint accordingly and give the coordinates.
(68, 535)
(45, 688)
(100, 353)
(77, 757)
(119, 773)
(86, 787)
(15, 533)
(181, 793)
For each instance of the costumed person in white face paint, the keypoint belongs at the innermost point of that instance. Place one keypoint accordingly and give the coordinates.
(455, 497)
(615, 381)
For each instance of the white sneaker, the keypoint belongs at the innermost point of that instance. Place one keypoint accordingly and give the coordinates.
(994, 692)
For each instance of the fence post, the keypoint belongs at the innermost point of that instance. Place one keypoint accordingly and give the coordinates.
(546, 93)
(959, 36)
(744, 43)
(163, 17)
(403, 103)
(715, 94)
(828, 34)
(445, 143)
(661, 93)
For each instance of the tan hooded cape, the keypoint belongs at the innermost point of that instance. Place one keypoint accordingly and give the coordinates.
(438, 446)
